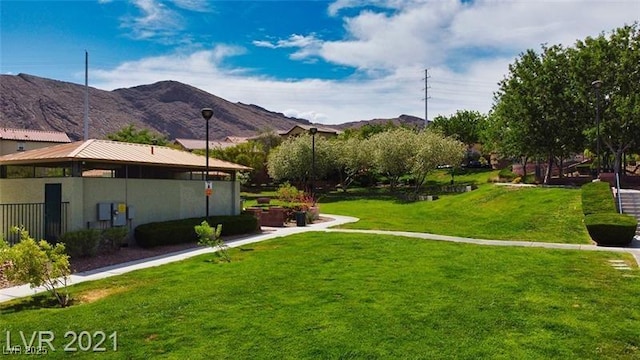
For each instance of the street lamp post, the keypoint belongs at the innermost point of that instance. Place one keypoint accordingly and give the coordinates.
(207, 113)
(313, 132)
(597, 84)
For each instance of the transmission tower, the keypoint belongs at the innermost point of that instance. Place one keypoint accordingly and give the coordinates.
(426, 97)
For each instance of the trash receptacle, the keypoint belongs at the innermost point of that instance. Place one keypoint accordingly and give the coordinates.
(301, 218)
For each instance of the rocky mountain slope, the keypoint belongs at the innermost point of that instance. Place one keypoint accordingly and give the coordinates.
(167, 107)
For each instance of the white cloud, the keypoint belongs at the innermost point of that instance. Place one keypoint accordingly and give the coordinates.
(193, 5)
(156, 21)
(466, 46)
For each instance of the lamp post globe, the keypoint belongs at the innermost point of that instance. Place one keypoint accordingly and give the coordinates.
(207, 113)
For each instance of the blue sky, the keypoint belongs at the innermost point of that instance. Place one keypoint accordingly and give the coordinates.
(326, 61)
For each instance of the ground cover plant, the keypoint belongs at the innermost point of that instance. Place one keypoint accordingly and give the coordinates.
(356, 296)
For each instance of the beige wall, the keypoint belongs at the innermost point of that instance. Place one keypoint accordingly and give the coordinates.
(152, 199)
(11, 146)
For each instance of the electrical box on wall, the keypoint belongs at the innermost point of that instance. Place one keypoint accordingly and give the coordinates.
(119, 213)
(131, 212)
(116, 213)
(104, 211)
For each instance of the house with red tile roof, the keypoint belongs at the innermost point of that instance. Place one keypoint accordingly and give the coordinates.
(17, 140)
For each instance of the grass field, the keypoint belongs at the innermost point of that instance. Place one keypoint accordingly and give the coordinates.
(339, 296)
(490, 212)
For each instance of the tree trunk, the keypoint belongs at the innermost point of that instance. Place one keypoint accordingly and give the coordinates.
(547, 175)
(617, 164)
(525, 159)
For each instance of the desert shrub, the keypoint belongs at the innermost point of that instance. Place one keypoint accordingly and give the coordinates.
(597, 198)
(611, 229)
(111, 239)
(288, 193)
(182, 231)
(81, 243)
(38, 264)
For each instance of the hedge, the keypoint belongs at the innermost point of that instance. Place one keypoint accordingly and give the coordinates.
(91, 242)
(81, 243)
(611, 229)
(182, 231)
(507, 174)
(597, 198)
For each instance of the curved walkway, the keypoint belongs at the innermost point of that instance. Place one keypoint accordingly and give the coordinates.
(272, 233)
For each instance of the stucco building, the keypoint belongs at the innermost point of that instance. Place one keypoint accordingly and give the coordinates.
(101, 183)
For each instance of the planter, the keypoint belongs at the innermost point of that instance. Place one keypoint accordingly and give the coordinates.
(314, 213)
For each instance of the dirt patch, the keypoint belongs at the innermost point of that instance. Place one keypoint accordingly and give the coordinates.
(93, 295)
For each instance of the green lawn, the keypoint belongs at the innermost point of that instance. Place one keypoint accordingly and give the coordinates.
(490, 212)
(354, 296)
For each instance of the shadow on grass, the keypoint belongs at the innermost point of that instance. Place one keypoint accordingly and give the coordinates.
(35, 302)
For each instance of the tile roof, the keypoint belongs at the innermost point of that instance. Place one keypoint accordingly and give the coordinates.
(33, 135)
(195, 144)
(117, 152)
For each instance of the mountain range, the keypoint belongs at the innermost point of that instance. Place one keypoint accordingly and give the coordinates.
(168, 107)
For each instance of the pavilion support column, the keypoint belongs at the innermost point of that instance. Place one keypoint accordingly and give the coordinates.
(234, 194)
(76, 169)
(3, 172)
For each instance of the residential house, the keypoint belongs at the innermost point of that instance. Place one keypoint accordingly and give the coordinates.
(17, 140)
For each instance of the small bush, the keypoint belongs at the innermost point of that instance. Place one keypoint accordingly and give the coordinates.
(112, 239)
(208, 236)
(597, 198)
(288, 193)
(81, 243)
(506, 174)
(37, 263)
(182, 231)
(611, 229)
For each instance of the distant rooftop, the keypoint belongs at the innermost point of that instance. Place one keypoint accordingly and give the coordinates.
(306, 128)
(33, 135)
(196, 144)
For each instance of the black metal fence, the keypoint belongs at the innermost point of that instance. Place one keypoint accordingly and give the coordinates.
(31, 216)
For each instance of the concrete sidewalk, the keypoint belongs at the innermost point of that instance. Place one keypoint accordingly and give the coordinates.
(272, 233)
(633, 249)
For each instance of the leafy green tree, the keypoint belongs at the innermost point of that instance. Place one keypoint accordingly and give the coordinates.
(546, 104)
(292, 160)
(368, 130)
(143, 136)
(464, 125)
(434, 150)
(353, 158)
(613, 59)
(392, 152)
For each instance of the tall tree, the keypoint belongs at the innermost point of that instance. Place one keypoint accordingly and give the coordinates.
(353, 158)
(434, 150)
(615, 61)
(392, 152)
(143, 136)
(292, 160)
(464, 125)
